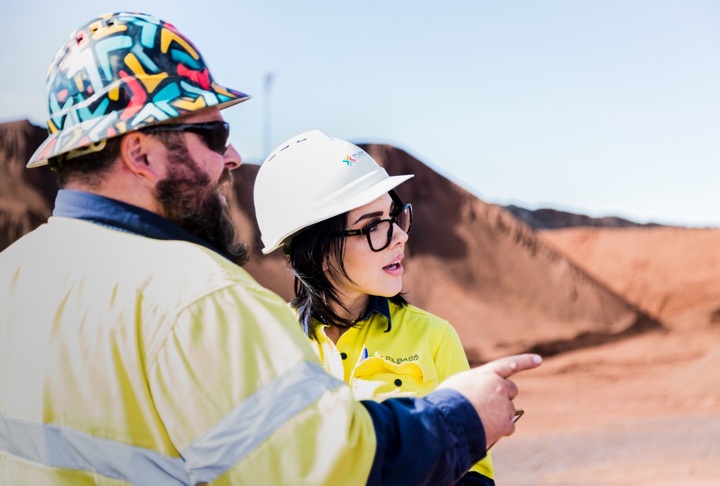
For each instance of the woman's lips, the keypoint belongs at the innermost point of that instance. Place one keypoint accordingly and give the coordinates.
(396, 267)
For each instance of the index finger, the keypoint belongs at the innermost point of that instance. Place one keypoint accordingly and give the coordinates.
(509, 365)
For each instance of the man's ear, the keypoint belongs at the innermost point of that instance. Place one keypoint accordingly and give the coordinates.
(138, 155)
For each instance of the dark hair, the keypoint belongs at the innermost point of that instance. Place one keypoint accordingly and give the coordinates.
(90, 168)
(307, 253)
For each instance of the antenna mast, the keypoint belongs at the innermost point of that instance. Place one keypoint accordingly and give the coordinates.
(267, 86)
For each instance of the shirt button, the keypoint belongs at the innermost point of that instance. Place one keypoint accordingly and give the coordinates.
(343, 355)
(398, 382)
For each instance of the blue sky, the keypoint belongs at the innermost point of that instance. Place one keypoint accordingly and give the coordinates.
(601, 107)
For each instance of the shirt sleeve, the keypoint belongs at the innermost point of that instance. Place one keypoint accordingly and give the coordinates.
(242, 395)
(450, 358)
(425, 441)
(449, 354)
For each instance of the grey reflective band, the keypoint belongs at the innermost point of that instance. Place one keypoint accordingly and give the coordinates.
(212, 455)
(61, 447)
(243, 429)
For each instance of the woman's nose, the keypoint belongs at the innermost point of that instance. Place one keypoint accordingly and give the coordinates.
(399, 234)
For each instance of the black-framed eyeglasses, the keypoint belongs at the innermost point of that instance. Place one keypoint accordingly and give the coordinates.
(215, 134)
(379, 233)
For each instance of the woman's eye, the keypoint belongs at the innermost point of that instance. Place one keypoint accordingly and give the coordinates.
(372, 227)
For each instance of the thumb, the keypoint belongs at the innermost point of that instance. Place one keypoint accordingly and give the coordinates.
(508, 366)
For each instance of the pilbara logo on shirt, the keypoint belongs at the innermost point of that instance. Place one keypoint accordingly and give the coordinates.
(405, 359)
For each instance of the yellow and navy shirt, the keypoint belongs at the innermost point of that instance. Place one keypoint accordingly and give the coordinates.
(395, 351)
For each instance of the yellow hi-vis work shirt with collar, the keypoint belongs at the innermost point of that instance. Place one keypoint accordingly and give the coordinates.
(131, 360)
(418, 352)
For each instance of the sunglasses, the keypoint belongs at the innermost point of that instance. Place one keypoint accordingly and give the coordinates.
(379, 233)
(215, 134)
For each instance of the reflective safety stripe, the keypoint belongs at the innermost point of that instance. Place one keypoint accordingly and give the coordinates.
(243, 429)
(215, 453)
(65, 448)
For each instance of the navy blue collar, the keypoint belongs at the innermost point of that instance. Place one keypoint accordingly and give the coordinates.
(376, 305)
(380, 306)
(121, 216)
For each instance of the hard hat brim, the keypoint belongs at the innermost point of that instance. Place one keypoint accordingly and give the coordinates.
(361, 199)
(92, 131)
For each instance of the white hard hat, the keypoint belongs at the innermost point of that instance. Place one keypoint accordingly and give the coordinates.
(310, 178)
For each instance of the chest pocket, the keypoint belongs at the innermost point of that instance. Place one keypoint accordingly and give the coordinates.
(377, 379)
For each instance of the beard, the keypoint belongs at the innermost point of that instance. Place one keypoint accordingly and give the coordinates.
(190, 200)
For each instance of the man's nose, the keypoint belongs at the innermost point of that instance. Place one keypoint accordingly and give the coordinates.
(232, 157)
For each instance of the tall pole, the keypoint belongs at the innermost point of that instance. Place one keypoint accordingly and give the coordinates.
(267, 86)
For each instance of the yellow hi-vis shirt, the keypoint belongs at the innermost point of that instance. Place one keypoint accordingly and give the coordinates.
(418, 352)
(132, 360)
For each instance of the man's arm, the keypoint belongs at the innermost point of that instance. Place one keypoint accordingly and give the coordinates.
(431, 440)
(434, 440)
(243, 395)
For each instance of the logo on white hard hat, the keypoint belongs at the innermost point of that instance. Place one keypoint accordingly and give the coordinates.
(349, 159)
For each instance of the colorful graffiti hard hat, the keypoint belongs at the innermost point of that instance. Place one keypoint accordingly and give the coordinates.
(121, 72)
(310, 178)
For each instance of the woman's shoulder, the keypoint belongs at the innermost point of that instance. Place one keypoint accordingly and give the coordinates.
(415, 316)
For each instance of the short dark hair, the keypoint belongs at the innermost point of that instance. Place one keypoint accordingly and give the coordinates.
(307, 253)
(88, 168)
(91, 167)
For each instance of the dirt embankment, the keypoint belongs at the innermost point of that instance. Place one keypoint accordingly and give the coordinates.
(645, 410)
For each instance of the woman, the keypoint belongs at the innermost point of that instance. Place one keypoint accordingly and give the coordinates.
(343, 228)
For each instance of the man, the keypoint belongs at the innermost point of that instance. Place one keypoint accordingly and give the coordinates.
(134, 349)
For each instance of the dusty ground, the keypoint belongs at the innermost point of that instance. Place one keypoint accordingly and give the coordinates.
(644, 411)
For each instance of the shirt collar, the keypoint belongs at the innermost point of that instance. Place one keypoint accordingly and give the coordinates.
(380, 306)
(121, 216)
(376, 305)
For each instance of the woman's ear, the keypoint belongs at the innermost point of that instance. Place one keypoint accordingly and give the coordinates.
(329, 265)
(138, 154)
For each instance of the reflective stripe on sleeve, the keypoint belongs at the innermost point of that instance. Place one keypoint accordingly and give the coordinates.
(61, 447)
(227, 443)
(243, 429)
